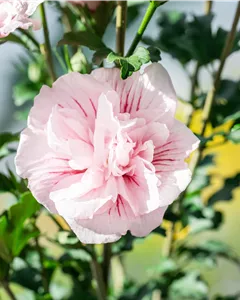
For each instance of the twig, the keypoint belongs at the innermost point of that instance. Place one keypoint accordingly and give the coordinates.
(60, 222)
(47, 45)
(208, 7)
(207, 108)
(227, 48)
(192, 92)
(121, 21)
(196, 158)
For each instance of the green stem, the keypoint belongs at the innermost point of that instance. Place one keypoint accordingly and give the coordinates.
(168, 246)
(6, 287)
(121, 20)
(43, 270)
(107, 253)
(30, 37)
(67, 58)
(61, 61)
(194, 82)
(47, 45)
(153, 5)
(98, 276)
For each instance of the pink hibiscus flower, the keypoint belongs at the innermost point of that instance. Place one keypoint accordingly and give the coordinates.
(106, 153)
(15, 14)
(92, 5)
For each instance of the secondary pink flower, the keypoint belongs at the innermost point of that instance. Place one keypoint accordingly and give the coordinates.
(105, 153)
(92, 5)
(15, 14)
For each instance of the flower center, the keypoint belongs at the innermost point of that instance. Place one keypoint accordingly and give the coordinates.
(121, 151)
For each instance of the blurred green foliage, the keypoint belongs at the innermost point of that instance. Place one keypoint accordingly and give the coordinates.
(25, 261)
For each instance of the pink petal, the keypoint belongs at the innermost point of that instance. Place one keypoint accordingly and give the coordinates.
(72, 91)
(65, 189)
(152, 90)
(144, 224)
(140, 190)
(36, 161)
(82, 154)
(106, 127)
(89, 236)
(179, 145)
(88, 205)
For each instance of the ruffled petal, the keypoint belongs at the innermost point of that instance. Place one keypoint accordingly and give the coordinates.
(171, 155)
(151, 91)
(35, 161)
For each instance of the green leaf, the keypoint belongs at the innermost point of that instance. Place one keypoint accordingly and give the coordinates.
(20, 239)
(24, 209)
(7, 137)
(155, 54)
(159, 230)
(133, 11)
(166, 266)
(6, 184)
(124, 244)
(65, 239)
(226, 103)
(44, 297)
(225, 193)
(233, 117)
(234, 135)
(14, 39)
(23, 92)
(173, 26)
(22, 114)
(14, 233)
(189, 287)
(202, 219)
(79, 254)
(100, 55)
(131, 291)
(5, 252)
(193, 39)
(198, 215)
(158, 3)
(24, 274)
(4, 269)
(132, 63)
(82, 38)
(232, 297)
(209, 250)
(201, 179)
